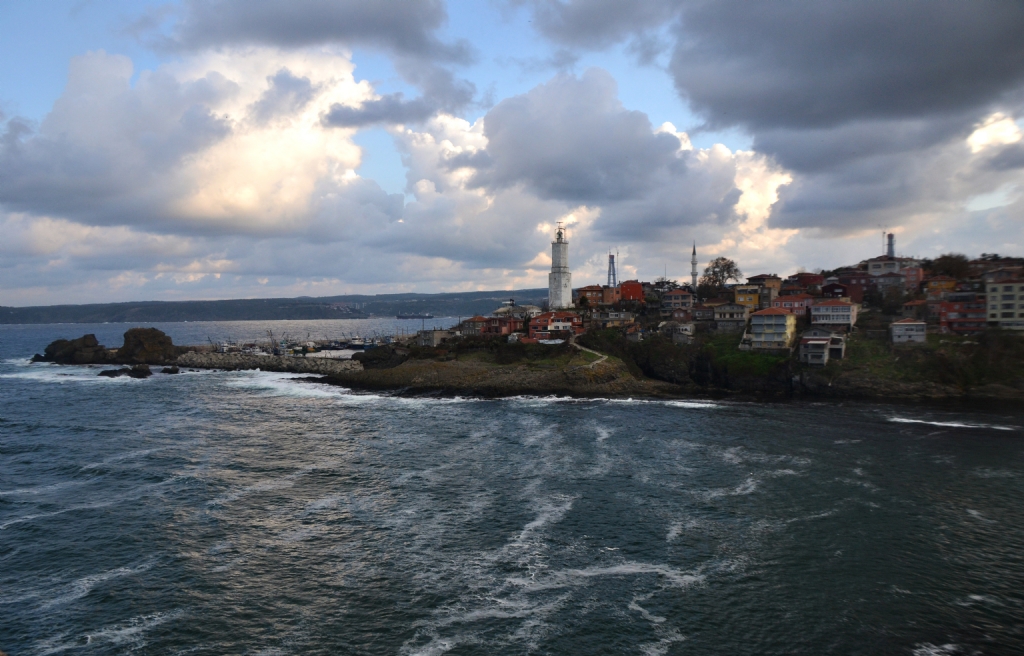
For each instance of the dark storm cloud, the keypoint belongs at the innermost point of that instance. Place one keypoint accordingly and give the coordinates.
(442, 92)
(597, 23)
(405, 29)
(868, 103)
(806, 63)
(571, 139)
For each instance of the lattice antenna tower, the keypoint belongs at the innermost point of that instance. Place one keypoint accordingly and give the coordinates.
(613, 278)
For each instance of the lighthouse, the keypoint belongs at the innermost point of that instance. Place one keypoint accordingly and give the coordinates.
(559, 280)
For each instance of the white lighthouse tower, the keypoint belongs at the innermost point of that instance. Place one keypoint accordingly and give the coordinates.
(559, 280)
(693, 267)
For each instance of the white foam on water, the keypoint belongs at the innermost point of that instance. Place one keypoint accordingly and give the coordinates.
(29, 518)
(279, 384)
(42, 489)
(435, 647)
(674, 531)
(977, 515)
(575, 577)
(928, 649)
(128, 455)
(70, 374)
(951, 424)
(550, 512)
(83, 586)
(130, 633)
(692, 405)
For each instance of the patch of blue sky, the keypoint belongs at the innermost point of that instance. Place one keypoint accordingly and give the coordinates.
(38, 40)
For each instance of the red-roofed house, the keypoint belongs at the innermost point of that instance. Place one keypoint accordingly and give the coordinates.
(797, 303)
(835, 313)
(554, 325)
(474, 325)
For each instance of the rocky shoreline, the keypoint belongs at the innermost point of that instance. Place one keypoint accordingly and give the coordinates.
(606, 378)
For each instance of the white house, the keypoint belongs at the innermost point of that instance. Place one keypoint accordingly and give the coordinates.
(908, 331)
(835, 313)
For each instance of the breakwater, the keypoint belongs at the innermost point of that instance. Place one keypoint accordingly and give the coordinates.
(243, 361)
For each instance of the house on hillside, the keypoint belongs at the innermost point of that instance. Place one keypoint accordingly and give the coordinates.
(675, 299)
(771, 329)
(834, 313)
(592, 293)
(611, 319)
(819, 345)
(631, 290)
(747, 295)
(908, 331)
(915, 309)
(473, 325)
(731, 317)
(963, 313)
(797, 303)
(556, 325)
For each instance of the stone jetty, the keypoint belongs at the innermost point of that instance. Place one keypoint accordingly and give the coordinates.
(287, 364)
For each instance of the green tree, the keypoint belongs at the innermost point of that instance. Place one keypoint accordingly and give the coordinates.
(953, 265)
(718, 272)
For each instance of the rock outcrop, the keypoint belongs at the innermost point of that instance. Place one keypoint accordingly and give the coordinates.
(84, 350)
(286, 364)
(147, 346)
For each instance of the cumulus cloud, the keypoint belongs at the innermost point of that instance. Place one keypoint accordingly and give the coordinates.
(225, 142)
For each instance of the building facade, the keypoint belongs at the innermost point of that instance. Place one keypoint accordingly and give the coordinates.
(908, 331)
(771, 329)
(835, 313)
(556, 325)
(1006, 304)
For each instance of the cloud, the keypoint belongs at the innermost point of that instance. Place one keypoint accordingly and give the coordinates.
(226, 142)
(442, 93)
(301, 23)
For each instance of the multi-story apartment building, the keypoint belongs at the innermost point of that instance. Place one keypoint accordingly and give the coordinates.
(772, 328)
(748, 295)
(963, 313)
(835, 313)
(1006, 304)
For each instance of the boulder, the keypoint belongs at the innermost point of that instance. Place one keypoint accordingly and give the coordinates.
(170, 370)
(147, 346)
(137, 371)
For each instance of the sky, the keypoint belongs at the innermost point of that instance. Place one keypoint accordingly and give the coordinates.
(272, 148)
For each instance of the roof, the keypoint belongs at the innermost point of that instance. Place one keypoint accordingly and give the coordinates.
(478, 318)
(832, 302)
(589, 288)
(920, 302)
(772, 310)
(763, 275)
(940, 279)
(793, 297)
(909, 321)
(1003, 282)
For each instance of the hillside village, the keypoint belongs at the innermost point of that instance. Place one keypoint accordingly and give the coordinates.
(809, 315)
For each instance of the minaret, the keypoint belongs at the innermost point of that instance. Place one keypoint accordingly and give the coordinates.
(693, 267)
(559, 280)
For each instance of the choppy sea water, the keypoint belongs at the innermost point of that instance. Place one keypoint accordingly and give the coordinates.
(252, 513)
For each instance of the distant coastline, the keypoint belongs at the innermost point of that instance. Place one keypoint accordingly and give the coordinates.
(352, 306)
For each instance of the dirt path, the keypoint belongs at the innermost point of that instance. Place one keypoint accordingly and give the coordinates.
(601, 356)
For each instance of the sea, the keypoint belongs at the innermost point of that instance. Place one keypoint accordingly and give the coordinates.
(258, 513)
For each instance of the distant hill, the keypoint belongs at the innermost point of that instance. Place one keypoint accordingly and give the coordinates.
(327, 307)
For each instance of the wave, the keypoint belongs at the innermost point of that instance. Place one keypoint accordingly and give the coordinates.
(951, 424)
